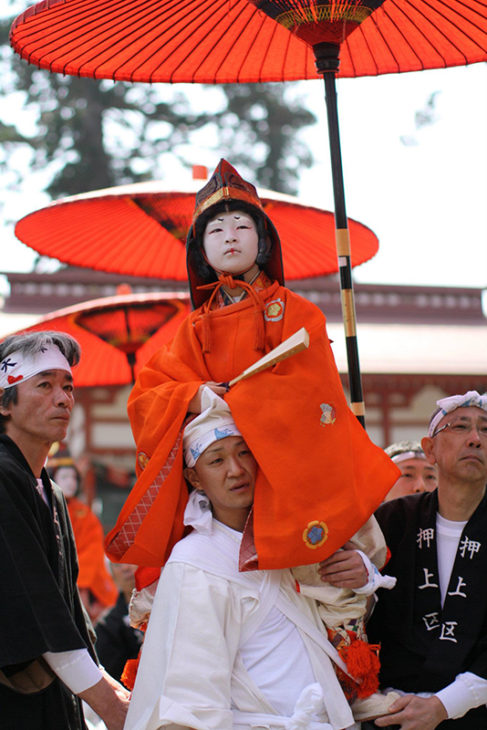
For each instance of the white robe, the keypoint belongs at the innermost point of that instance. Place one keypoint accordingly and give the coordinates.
(204, 617)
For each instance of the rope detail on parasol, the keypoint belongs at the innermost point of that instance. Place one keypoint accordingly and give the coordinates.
(316, 22)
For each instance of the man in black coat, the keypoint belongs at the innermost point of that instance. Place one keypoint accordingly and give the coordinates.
(47, 661)
(433, 625)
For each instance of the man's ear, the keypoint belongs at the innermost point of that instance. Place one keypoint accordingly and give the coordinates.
(3, 411)
(427, 444)
(191, 476)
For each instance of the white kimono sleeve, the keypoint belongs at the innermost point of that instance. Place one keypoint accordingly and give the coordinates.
(184, 677)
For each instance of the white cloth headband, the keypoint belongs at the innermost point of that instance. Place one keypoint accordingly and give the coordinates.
(408, 455)
(16, 367)
(446, 405)
(215, 422)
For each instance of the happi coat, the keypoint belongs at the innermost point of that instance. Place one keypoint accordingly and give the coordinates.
(320, 476)
(192, 672)
(40, 609)
(424, 646)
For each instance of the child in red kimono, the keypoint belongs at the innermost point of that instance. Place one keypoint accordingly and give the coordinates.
(320, 476)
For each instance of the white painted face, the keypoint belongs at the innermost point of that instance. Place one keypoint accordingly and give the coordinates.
(231, 242)
(67, 478)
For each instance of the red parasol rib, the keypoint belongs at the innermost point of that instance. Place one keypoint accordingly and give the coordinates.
(117, 334)
(141, 230)
(218, 41)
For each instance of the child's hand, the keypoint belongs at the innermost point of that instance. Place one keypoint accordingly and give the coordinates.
(194, 405)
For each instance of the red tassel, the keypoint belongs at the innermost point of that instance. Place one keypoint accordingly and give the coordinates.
(130, 672)
(363, 664)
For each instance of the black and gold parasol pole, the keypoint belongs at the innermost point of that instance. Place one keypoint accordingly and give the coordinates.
(327, 62)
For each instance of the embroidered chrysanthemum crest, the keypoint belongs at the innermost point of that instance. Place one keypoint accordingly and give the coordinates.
(274, 310)
(315, 534)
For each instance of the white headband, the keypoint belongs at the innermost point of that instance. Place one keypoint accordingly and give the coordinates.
(446, 405)
(215, 422)
(408, 455)
(16, 367)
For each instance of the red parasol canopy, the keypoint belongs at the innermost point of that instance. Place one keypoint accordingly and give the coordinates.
(217, 41)
(141, 230)
(117, 334)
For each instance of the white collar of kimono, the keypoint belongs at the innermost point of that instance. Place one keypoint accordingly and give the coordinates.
(16, 367)
(198, 514)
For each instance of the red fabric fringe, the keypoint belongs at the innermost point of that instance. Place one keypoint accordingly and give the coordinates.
(363, 664)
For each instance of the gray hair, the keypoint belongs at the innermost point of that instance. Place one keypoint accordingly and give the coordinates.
(403, 447)
(29, 344)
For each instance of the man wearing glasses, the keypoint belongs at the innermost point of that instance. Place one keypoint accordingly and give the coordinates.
(433, 625)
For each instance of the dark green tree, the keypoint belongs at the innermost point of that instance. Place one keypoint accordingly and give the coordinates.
(269, 119)
(95, 134)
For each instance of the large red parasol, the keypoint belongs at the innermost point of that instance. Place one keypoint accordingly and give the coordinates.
(217, 41)
(141, 230)
(117, 334)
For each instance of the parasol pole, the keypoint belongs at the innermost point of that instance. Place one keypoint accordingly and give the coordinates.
(327, 62)
(130, 355)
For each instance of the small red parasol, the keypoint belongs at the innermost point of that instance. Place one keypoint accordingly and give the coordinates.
(117, 334)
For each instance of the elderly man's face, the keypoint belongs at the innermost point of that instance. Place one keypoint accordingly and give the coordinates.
(43, 408)
(459, 445)
(66, 477)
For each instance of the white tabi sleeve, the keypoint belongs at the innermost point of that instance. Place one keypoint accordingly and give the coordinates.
(184, 677)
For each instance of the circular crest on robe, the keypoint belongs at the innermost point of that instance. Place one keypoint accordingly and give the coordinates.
(274, 311)
(315, 534)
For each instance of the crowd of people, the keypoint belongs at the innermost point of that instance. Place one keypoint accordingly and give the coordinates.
(289, 574)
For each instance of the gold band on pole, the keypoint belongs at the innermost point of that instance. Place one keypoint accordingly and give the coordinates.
(358, 408)
(342, 238)
(348, 309)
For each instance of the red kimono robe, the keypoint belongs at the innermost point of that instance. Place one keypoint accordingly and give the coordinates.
(320, 476)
